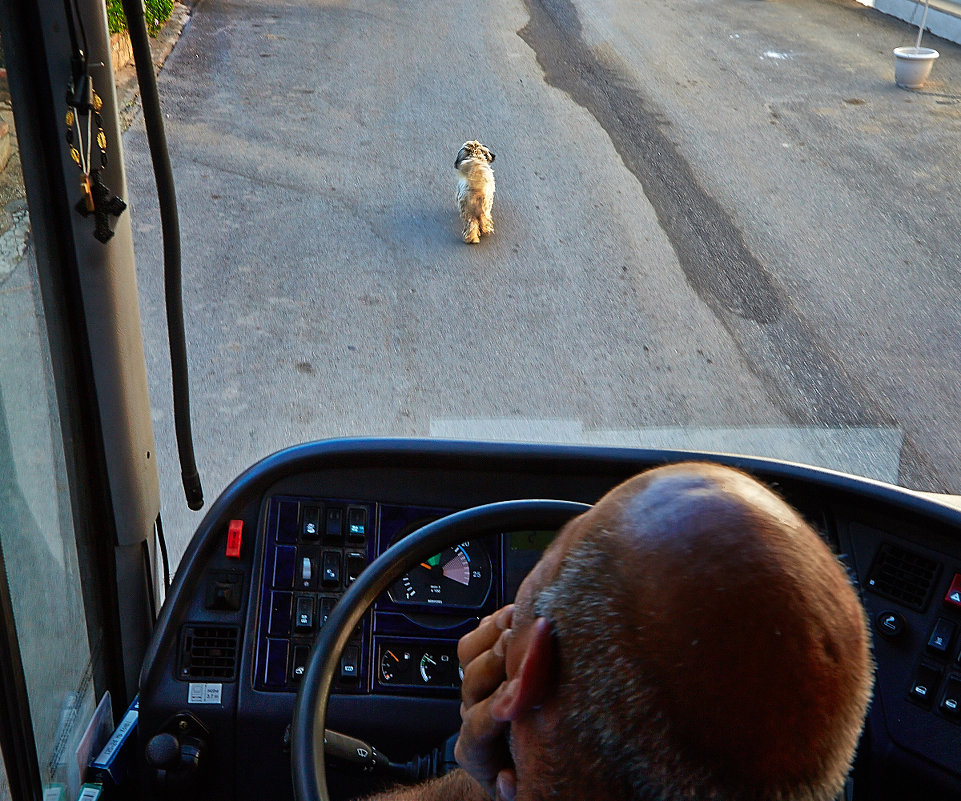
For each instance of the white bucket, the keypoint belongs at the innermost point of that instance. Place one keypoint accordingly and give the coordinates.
(912, 65)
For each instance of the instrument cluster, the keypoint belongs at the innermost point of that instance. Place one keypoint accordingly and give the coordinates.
(314, 548)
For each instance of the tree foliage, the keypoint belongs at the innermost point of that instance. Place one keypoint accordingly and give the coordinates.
(156, 13)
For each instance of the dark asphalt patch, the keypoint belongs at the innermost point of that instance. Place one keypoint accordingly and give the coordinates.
(799, 369)
(712, 253)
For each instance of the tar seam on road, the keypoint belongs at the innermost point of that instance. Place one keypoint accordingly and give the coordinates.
(793, 362)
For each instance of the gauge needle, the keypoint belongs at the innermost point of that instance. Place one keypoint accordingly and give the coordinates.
(391, 655)
(424, 564)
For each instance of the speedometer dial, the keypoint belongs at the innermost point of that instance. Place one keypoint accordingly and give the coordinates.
(459, 577)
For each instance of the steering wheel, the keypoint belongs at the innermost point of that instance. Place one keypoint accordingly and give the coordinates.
(310, 711)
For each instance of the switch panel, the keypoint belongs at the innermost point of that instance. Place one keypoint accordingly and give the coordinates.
(312, 548)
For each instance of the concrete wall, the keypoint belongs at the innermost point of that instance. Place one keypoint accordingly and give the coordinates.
(944, 17)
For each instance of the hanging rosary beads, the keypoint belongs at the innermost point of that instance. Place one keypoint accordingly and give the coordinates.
(95, 197)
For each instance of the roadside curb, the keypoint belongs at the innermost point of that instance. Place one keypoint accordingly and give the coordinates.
(125, 78)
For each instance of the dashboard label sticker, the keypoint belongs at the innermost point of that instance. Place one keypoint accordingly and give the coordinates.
(199, 693)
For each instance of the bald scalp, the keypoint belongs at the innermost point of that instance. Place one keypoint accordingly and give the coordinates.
(740, 646)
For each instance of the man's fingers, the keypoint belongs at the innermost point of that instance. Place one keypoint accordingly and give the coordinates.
(506, 785)
(481, 747)
(485, 673)
(478, 729)
(482, 638)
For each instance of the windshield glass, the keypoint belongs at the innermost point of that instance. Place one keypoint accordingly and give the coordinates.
(716, 226)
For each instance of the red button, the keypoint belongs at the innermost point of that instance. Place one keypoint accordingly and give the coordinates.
(953, 596)
(235, 535)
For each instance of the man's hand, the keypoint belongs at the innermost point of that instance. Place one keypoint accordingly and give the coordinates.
(482, 744)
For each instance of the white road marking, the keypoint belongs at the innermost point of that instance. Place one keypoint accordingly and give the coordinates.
(866, 451)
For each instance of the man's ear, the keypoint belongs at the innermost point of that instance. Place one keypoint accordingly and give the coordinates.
(531, 684)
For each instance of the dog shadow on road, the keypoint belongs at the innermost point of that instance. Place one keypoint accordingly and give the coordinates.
(432, 233)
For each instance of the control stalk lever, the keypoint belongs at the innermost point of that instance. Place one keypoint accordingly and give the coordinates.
(353, 752)
(344, 751)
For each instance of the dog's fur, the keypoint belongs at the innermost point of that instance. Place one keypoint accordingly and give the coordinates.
(475, 190)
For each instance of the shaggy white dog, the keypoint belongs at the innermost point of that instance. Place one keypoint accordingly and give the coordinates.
(475, 190)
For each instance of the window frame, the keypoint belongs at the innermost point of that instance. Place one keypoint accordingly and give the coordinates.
(118, 623)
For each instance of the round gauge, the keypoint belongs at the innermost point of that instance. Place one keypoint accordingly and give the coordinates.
(388, 666)
(427, 667)
(460, 577)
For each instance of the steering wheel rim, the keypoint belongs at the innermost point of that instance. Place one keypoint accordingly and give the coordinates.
(308, 765)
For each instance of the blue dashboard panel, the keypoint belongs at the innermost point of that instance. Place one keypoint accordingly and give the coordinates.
(313, 548)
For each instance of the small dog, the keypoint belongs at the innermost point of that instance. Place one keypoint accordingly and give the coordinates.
(475, 190)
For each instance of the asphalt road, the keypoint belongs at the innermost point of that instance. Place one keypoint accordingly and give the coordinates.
(719, 224)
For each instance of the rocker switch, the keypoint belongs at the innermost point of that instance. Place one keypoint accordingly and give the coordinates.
(331, 575)
(940, 640)
(335, 523)
(925, 684)
(304, 620)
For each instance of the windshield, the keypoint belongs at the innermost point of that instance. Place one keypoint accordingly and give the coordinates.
(716, 226)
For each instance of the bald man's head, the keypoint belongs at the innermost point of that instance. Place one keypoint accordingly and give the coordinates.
(709, 643)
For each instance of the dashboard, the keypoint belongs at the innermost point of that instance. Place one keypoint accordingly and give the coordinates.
(283, 543)
(314, 548)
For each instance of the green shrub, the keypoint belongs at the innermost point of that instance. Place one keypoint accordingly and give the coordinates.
(156, 14)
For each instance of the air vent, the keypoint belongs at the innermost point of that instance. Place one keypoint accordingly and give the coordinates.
(208, 653)
(904, 576)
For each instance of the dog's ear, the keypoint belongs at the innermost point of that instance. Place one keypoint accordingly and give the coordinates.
(461, 155)
(491, 156)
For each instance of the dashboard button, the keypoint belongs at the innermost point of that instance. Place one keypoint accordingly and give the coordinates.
(951, 703)
(299, 662)
(925, 684)
(326, 607)
(235, 539)
(952, 598)
(356, 523)
(335, 523)
(890, 624)
(304, 619)
(355, 564)
(331, 572)
(310, 523)
(941, 636)
(350, 663)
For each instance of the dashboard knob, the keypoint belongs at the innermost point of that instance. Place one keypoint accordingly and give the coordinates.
(163, 752)
(890, 624)
(176, 762)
